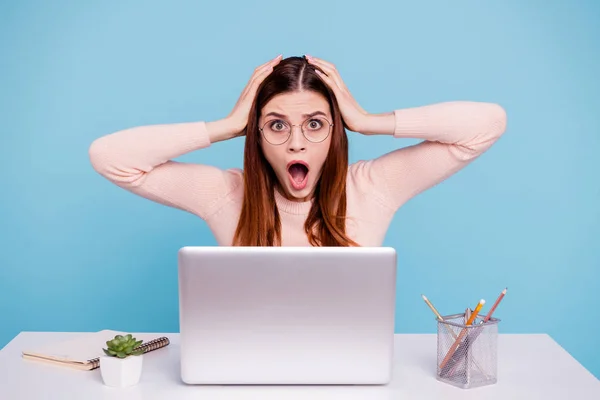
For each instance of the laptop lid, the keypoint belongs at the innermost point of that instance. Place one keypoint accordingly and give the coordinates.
(287, 315)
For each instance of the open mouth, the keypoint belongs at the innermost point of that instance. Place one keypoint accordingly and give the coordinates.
(298, 173)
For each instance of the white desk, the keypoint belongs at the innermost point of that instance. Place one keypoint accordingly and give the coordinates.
(530, 367)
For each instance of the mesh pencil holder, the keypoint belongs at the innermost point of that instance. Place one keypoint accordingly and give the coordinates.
(467, 355)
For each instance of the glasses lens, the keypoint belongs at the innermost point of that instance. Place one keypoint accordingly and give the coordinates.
(316, 129)
(276, 131)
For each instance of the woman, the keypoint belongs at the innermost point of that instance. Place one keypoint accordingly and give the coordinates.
(296, 188)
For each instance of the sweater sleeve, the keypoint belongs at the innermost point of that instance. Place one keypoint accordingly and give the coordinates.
(139, 160)
(454, 134)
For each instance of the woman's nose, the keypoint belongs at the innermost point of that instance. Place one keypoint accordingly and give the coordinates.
(297, 140)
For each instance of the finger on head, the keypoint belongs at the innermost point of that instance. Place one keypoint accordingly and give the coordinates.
(270, 62)
(316, 67)
(261, 75)
(324, 76)
(330, 81)
(319, 61)
(324, 68)
(268, 68)
(276, 60)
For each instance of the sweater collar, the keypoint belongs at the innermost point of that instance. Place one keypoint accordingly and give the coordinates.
(290, 206)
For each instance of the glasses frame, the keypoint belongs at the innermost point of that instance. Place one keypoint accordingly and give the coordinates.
(261, 129)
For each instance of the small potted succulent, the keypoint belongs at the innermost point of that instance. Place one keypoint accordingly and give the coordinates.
(121, 364)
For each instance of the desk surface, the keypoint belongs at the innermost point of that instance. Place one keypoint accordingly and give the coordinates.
(530, 366)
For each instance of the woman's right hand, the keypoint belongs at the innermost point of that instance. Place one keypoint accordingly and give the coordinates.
(234, 124)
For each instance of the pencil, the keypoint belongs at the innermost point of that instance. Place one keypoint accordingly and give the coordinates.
(437, 314)
(462, 334)
(439, 317)
(475, 312)
(489, 314)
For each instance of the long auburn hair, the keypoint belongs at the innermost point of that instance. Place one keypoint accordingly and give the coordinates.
(259, 223)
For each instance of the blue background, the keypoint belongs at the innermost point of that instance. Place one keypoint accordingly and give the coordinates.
(79, 254)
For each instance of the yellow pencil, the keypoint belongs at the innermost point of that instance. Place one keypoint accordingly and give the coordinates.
(475, 312)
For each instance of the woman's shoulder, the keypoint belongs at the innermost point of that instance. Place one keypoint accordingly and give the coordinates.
(360, 173)
(234, 178)
(365, 193)
(362, 179)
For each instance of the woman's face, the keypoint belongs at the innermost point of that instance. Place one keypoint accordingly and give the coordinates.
(295, 133)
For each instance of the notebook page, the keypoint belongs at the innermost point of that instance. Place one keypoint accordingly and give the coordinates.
(82, 348)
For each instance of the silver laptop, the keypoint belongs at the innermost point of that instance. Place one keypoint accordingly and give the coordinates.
(287, 315)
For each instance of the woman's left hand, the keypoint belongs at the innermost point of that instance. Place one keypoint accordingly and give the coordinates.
(353, 114)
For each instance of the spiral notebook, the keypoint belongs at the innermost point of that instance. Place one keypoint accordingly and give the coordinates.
(83, 351)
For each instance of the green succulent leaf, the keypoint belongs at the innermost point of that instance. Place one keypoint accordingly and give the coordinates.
(123, 345)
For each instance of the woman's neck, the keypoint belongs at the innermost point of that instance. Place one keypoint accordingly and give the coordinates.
(292, 205)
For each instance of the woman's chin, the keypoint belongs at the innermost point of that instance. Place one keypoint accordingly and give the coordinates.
(299, 192)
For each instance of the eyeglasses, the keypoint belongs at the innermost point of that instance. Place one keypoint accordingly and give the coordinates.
(315, 130)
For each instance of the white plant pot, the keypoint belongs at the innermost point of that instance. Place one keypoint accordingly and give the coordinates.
(121, 372)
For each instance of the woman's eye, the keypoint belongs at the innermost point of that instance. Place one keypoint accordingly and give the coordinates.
(315, 124)
(277, 125)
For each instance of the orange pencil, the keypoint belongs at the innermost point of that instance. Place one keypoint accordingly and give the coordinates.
(475, 312)
(462, 334)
